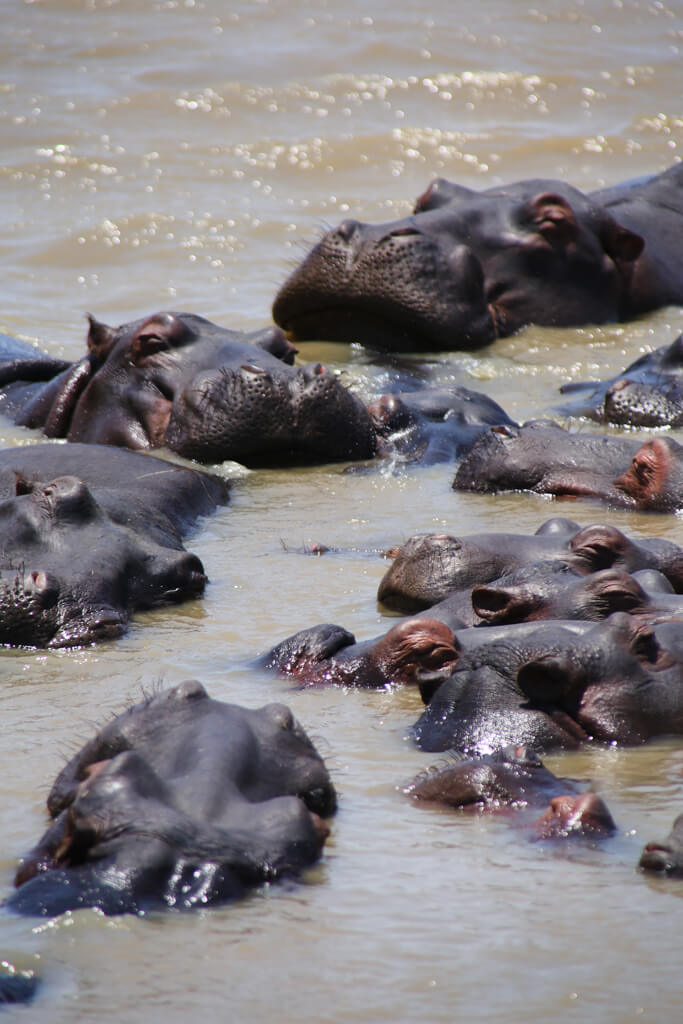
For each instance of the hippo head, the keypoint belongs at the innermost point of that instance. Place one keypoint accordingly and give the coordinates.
(179, 801)
(465, 268)
(69, 575)
(208, 393)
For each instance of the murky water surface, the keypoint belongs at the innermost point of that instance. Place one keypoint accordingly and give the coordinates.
(182, 155)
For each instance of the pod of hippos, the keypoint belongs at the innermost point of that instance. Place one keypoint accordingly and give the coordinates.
(519, 645)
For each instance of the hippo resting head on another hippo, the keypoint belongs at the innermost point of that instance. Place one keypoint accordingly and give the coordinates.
(88, 534)
(180, 801)
(514, 781)
(208, 393)
(429, 568)
(468, 267)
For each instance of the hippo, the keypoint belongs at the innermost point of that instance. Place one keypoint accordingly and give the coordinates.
(179, 801)
(542, 457)
(432, 568)
(412, 651)
(554, 688)
(429, 567)
(515, 781)
(468, 267)
(566, 595)
(206, 392)
(665, 857)
(89, 535)
(648, 393)
(434, 424)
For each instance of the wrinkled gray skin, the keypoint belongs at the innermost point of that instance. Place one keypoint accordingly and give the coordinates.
(514, 781)
(89, 534)
(665, 857)
(208, 393)
(407, 654)
(430, 568)
(542, 457)
(552, 688)
(468, 267)
(180, 801)
(433, 425)
(648, 393)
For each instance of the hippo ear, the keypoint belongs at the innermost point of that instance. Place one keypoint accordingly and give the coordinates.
(439, 193)
(158, 334)
(647, 474)
(551, 216)
(620, 244)
(100, 337)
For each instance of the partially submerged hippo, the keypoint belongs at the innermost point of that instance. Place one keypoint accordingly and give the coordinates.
(468, 267)
(433, 425)
(429, 568)
(180, 801)
(648, 393)
(553, 688)
(206, 392)
(406, 655)
(665, 857)
(90, 534)
(514, 781)
(542, 457)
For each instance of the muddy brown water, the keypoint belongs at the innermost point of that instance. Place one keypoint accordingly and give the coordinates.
(182, 154)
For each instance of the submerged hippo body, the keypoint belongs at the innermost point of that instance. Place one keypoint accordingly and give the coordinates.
(514, 781)
(435, 424)
(206, 392)
(91, 533)
(648, 393)
(180, 801)
(543, 457)
(468, 267)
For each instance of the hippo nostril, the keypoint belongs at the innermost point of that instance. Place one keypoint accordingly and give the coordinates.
(312, 370)
(347, 229)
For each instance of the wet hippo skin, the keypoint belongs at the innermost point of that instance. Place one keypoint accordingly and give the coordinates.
(468, 267)
(179, 801)
(89, 534)
(204, 391)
